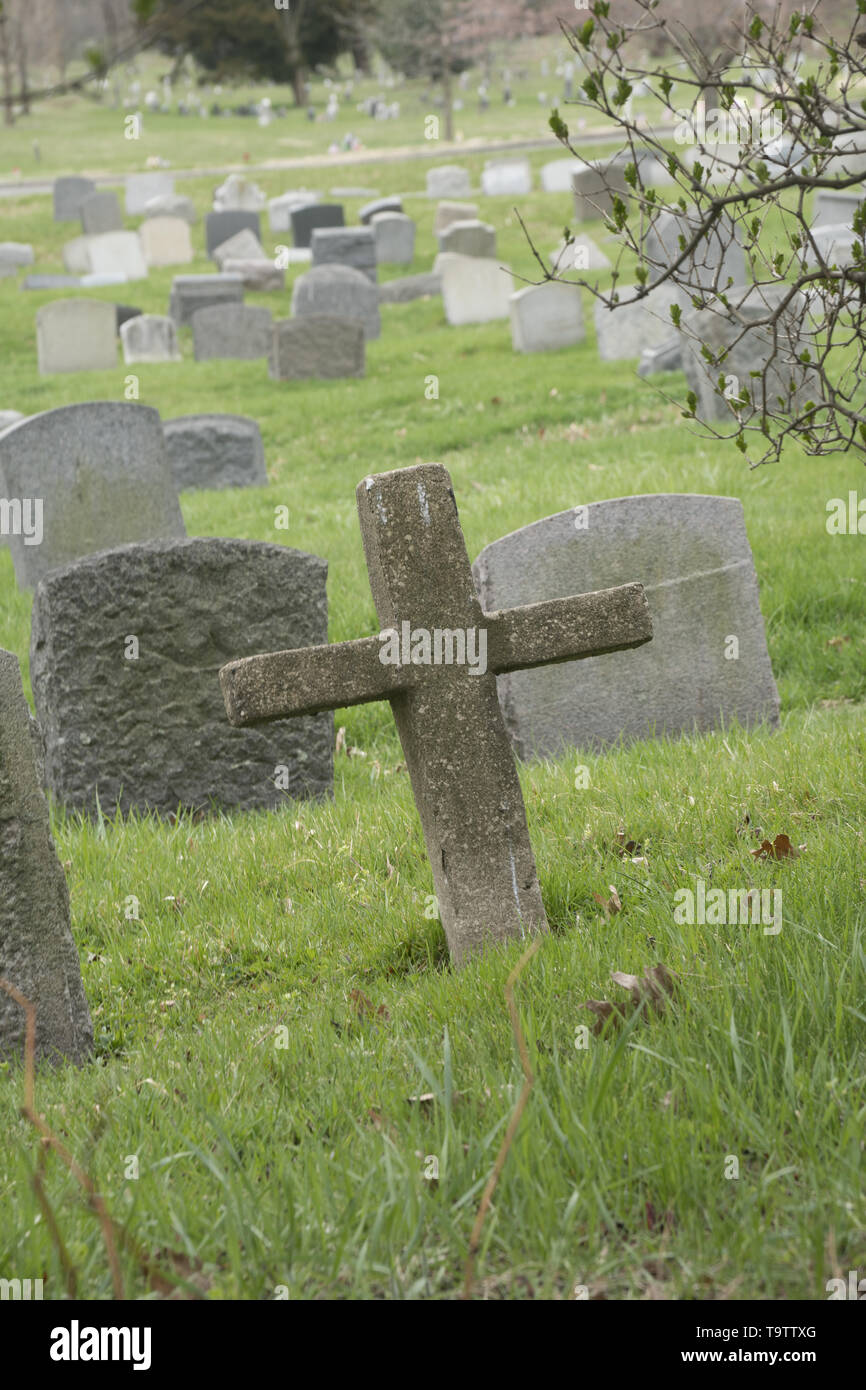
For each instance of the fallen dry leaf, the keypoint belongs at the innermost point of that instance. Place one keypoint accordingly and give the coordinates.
(610, 905)
(626, 848)
(365, 1007)
(653, 988)
(837, 641)
(780, 848)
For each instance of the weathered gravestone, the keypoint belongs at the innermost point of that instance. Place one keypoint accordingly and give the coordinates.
(594, 186)
(171, 205)
(51, 282)
(447, 213)
(833, 206)
(101, 472)
(578, 255)
(192, 292)
(262, 275)
(371, 210)
(279, 209)
(237, 331)
(76, 255)
(512, 177)
(166, 241)
(14, 255)
(751, 343)
(436, 661)
(123, 313)
(834, 244)
(474, 290)
(142, 188)
(448, 181)
(243, 246)
(215, 451)
(717, 260)
(69, 194)
(220, 226)
(316, 346)
(470, 238)
(546, 317)
(310, 216)
(149, 338)
(694, 560)
(338, 291)
(410, 287)
(557, 175)
(395, 238)
(117, 253)
(100, 212)
(638, 321)
(37, 953)
(141, 724)
(354, 246)
(76, 335)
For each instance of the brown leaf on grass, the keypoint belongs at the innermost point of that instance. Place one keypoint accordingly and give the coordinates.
(626, 848)
(610, 905)
(653, 988)
(194, 1282)
(838, 641)
(365, 1008)
(603, 1011)
(780, 848)
(657, 1221)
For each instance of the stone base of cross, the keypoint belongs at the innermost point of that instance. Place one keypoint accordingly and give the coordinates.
(436, 661)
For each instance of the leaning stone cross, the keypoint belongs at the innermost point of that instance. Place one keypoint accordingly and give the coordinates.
(436, 661)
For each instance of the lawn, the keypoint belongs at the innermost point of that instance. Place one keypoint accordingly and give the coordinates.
(283, 1049)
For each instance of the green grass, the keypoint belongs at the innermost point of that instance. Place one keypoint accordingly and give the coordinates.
(302, 1166)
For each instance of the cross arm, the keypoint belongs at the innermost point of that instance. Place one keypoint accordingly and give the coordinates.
(307, 680)
(566, 629)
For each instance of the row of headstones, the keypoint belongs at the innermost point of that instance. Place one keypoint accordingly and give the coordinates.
(86, 477)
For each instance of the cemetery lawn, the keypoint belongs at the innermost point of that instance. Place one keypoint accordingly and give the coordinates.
(282, 1046)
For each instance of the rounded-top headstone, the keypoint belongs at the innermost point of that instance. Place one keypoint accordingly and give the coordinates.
(338, 291)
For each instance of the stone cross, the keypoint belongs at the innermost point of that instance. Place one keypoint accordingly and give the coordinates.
(436, 661)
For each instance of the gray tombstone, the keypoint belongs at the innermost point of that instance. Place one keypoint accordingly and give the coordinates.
(142, 188)
(446, 213)
(262, 275)
(692, 556)
(149, 338)
(306, 218)
(171, 205)
(395, 238)
(192, 292)
(751, 344)
(51, 282)
(338, 291)
(354, 246)
(242, 246)
(470, 238)
(69, 194)
(142, 724)
(410, 287)
(220, 226)
(215, 451)
(546, 317)
(37, 953)
(76, 335)
(101, 476)
(833, 206)
(637, 322)
(317, 346)
(448, 181)
(370, 210)
(237, 331)
(718, 259)
(100, 212)
(13, 256)
(595, 186)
